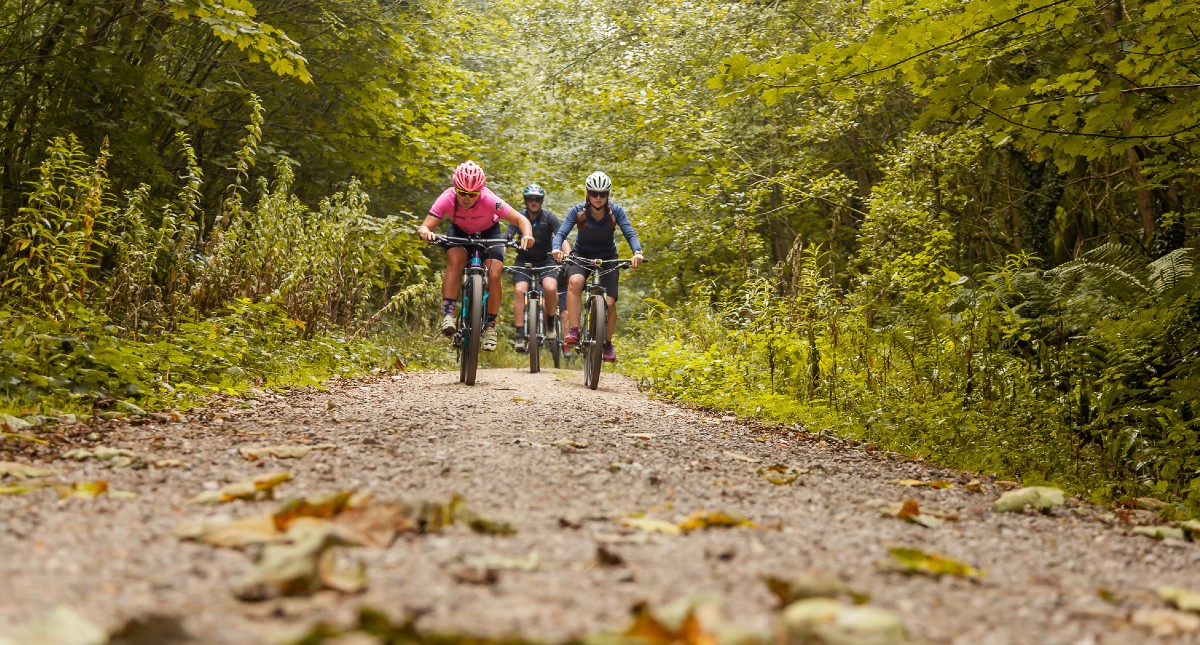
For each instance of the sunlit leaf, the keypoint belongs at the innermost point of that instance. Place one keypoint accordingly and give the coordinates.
(1040, 498)
(911, 560)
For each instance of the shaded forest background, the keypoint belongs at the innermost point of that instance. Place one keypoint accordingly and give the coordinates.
(960, 230)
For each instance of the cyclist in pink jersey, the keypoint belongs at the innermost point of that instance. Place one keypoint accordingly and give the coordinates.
(474, 211)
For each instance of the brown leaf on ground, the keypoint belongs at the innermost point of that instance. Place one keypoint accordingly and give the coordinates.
(256, 488)
(374, 525)
(812, 585)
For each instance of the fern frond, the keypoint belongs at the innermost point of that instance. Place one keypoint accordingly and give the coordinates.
(1170, 269)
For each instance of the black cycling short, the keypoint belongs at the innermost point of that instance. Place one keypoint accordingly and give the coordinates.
(608, 280)
(495, 252)
(521, 275)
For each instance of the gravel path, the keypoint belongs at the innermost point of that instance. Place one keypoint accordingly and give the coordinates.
(1075, 576)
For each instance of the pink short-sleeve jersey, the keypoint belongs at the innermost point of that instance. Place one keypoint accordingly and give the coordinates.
(477, 219)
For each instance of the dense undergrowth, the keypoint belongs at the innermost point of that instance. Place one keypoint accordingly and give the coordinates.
(1084, 376)
(131, 302)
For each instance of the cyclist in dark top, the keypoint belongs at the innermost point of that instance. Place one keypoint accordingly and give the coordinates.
(545, 223)
(598, 219)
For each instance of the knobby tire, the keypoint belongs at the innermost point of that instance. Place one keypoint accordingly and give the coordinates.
(533, 314)
(474, 328)
(597, 327)
(556, 344)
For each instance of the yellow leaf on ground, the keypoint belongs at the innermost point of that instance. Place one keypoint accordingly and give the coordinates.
(278, 452)
(651, 525)
(912, 560)
(1166, 622)
(23, 471)
(257, 488)
(917, 482)
(705, 520)
(1041, 498)
(82, 490)
(1183, 599)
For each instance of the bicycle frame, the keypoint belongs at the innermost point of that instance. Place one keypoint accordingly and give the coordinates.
(593, 315)
(533, 296)
(473, 299)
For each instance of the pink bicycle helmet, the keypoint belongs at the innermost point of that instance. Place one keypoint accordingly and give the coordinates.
(469, 176)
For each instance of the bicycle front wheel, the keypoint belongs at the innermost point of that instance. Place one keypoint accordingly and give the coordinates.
(474, 328)
(597, 327)
(533, 318)
(556, 342)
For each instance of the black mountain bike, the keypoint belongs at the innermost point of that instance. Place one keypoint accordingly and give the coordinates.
(472, 302)
(535, 325)
(593, 319)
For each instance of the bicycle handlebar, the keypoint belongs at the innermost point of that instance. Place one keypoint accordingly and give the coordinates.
(447, 241)
(589, 262)
(528, 269)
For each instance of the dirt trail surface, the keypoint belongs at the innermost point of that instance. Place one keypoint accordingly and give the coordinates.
(506, 446)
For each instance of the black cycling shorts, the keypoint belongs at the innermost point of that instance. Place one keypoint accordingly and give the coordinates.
(608, 280)
(495, 252)
(521, 275)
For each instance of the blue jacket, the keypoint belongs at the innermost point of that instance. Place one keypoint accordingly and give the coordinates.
(596, 240)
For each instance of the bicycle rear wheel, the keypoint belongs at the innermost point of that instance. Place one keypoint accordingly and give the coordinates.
(593, 357)
(474, 328)
(533, 316)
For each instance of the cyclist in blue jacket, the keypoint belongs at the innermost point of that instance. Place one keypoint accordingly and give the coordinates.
(598, 219)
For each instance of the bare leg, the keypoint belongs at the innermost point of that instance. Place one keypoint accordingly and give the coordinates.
(612, 317)
(574, 300)
(456, 261)
(519, 304)
(550, 296)
(495, 292)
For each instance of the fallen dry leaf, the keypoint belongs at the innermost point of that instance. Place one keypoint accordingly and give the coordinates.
(651, 525)
(1166, 622)
(917, 482)
(706, 519)
(23, 471)
(812, 585)
(911, 560)
(256, 488)
(278, 452)
(827, 621)
(1183, 599)
(1041, 498)
(781, 475)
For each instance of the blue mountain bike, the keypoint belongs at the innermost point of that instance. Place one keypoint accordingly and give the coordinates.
(472, 301)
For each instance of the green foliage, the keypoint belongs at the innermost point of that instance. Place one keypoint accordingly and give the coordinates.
(100, 303)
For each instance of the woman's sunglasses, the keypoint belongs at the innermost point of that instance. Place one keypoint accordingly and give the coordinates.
(593, 193)
(467, 194)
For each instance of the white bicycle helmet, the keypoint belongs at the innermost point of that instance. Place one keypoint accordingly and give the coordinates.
(598, 182)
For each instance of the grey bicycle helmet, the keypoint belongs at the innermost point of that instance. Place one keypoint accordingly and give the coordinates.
(598, 182)
(533, 190)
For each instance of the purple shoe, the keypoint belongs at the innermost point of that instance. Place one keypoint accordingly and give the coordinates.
(610, 354)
